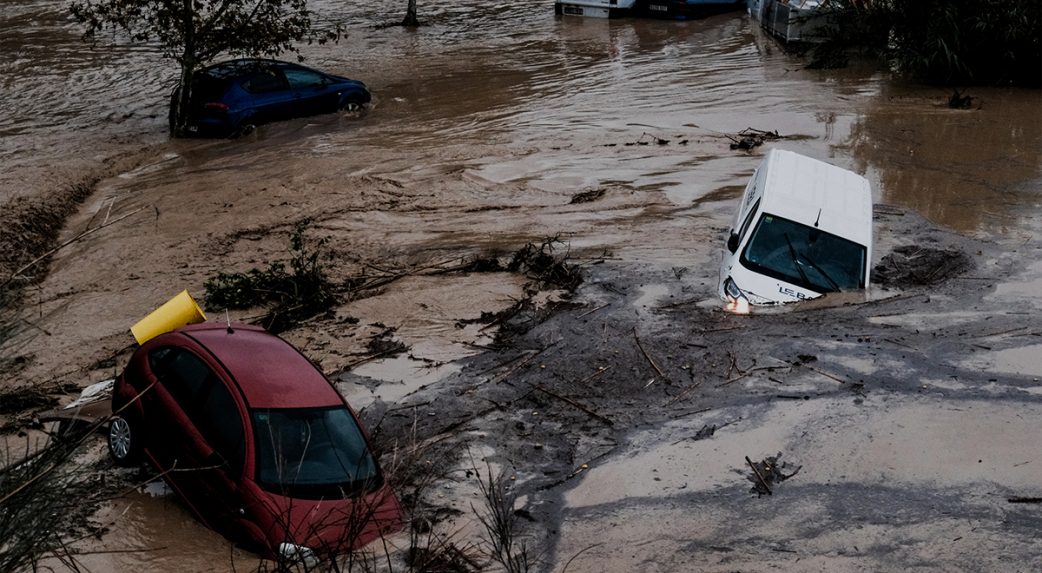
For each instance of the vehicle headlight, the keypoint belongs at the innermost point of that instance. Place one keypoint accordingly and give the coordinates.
(732, 290)
(298, 554)
(736, 300)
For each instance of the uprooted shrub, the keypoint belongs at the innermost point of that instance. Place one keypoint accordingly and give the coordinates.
(546, 266)
(290, 295)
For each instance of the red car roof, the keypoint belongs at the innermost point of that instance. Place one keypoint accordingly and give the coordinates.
(271, 372)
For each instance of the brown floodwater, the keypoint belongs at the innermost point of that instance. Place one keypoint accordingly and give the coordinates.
(485, 123)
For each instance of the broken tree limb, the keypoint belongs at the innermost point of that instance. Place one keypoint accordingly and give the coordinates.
(1024, 500)
(600, 370)
(684, 394)
(90, 231)
(646, 355)
(823, 373)
(759, 476)
(568, 400)
(528, 359)
(605, 305)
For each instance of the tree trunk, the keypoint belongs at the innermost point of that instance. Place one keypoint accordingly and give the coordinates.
(410, 15)
(179, 104)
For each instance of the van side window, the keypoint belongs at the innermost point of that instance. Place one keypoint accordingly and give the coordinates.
(752, 187)
(748, 220)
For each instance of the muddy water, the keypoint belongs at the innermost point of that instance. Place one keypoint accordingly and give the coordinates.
(485, 123)
(687, 488)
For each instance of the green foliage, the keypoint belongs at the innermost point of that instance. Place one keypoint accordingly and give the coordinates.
(195, 32)
(200, 30)
(291, 296)
(947, 41)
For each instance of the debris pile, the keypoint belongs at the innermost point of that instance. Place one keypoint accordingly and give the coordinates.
(912, 266)
(587, 196)
(546, 266)
(291, 296)
(767, 473)
(750, 138)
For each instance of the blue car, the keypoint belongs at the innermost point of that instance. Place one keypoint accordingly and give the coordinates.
(231, 98)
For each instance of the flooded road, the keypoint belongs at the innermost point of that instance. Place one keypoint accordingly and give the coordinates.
(486, 123)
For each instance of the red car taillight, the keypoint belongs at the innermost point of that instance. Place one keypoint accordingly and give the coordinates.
(215, 106)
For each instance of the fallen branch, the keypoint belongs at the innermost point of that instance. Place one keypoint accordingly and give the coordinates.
(575, 404)
(90, 231)
(528, 359)
(600, 370)
(684, 394)
(646, 355)
(1024, 500)
(759, 476)
(823, 373)
(605, 305)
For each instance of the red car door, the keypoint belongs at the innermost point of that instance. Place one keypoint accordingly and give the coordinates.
(191, 417)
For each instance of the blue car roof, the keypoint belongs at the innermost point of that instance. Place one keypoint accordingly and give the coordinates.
(235, 68)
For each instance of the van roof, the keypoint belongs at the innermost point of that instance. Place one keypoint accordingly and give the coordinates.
(797, 186)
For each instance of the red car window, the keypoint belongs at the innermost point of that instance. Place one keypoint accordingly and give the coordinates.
(205, 399)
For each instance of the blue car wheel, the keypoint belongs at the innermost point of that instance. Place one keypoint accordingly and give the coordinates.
(351, 103)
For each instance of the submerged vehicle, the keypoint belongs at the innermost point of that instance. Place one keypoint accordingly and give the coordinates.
(794, 21)
(255, 440)
(232, 97)
(684, 9)
(803, 229)
(594, 8)
(668, 9)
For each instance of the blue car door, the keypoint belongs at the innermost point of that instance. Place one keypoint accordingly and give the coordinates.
(311, 92)
(268, 97)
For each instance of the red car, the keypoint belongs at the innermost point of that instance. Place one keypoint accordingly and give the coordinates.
(254, 438)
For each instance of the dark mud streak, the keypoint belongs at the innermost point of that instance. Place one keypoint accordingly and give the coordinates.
(546, 440)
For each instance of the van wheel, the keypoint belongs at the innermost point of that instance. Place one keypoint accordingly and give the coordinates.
(124, 441)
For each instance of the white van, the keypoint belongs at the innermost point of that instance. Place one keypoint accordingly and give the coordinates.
(803, 229)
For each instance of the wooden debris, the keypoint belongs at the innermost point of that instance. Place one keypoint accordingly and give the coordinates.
(1024, 500)
(759, 476)
(646, 355)
(568, 400)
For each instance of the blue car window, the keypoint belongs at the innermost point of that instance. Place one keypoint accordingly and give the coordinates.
(265, 81)
(300, 79)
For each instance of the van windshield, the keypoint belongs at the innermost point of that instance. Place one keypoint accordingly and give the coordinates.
(804, 256)
(312, 453)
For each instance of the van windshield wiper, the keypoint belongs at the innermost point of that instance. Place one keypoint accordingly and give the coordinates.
(820, 270)
(796, 260)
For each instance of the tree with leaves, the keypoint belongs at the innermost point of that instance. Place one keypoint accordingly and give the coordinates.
(953, 42)
(195, 32)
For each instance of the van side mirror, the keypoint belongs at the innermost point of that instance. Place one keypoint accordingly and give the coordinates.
(732, 242)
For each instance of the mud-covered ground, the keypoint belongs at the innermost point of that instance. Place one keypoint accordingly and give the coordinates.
(625, 411)
(627, 416)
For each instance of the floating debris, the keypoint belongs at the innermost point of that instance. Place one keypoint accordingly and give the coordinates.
(751, 138)
(767, 473)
